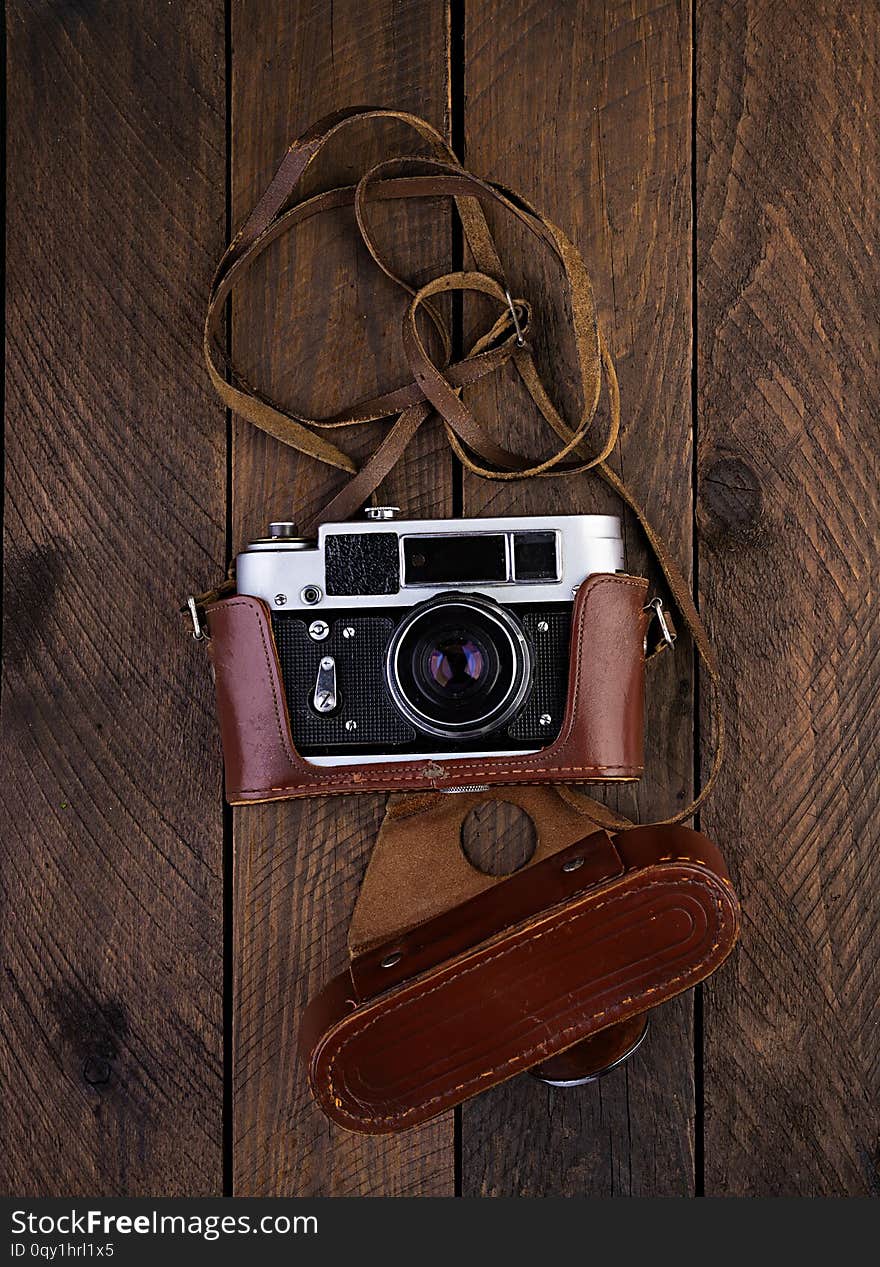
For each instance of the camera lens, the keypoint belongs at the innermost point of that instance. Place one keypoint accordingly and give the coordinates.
(451, 667)
(459, 666)
(455, 664)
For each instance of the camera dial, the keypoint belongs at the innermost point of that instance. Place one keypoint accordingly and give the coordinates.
(459, 666)
(379, 514)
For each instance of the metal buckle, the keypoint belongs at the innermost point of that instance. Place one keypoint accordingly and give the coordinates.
(520, 341)
(199, 632)
(656, 606)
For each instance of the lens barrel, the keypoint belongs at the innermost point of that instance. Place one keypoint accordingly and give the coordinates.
(459, 666)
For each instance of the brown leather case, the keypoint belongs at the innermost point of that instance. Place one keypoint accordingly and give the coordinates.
(590, 936)
(601, 736)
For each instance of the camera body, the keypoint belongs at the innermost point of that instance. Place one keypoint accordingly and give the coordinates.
(398, 639)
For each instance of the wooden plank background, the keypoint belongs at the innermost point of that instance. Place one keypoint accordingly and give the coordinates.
(112, 878)
(718, 166)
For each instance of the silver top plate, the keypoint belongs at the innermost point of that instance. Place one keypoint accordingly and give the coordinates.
(278, 571)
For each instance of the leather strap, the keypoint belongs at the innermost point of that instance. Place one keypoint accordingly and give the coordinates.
(437, 387)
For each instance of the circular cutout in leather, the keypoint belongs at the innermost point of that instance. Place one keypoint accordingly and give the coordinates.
(498, 838)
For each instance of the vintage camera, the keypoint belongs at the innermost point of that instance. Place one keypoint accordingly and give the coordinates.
(402, 638)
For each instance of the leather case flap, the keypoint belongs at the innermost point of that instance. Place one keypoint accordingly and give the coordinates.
(527, 993)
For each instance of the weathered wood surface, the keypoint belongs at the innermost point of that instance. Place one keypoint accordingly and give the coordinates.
(605, 152)
(789, 460)
(133, 143)
(319, 325)
(111, 1016)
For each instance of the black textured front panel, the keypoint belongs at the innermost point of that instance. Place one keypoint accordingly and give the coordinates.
(550, 665)
(365, 705)
(362, 563)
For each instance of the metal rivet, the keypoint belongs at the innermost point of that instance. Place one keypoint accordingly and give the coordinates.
(348, 632)
(573, 864)
(545, 719)
(318, 630)
(351, 725)
(390, 960)
(280, 600)
(310, 595)
(543, 626)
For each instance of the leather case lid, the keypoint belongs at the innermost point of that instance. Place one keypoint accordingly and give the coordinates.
(541, 986)
(601, 736)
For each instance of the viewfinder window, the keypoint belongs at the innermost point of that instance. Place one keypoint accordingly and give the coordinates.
(534, 556)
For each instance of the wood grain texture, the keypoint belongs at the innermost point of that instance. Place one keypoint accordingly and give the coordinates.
(787, 163)
(111, 1046)
(110, 1021)
(498, 838)
(586, 110)
(318, 325)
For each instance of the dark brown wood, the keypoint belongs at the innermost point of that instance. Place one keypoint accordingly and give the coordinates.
(787, 163)
(111, 871)
(498, 838)
(111, 1005)
(601, 143)
(317, 324)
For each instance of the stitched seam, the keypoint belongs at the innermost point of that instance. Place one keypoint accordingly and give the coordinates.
(538, 1049)
(454, 771)
(526, 1056)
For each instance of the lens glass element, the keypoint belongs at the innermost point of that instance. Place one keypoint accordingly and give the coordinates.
(456, 665)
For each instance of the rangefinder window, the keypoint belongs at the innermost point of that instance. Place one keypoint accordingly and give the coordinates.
(534, 556)
(454, 560)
